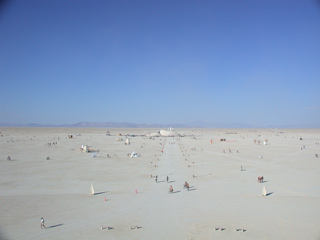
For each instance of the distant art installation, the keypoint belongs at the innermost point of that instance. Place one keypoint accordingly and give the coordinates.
(91, 190)
(264, 191)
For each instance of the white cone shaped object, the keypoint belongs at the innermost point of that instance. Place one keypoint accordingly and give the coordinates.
(264, 191)
(91, 190)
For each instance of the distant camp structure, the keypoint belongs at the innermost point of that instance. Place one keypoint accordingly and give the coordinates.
(134, 155)
(168, 133)
(151, 135)
(85, 148)
(164, 133)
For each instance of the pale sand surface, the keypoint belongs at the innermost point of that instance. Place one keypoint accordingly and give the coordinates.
(221, 195)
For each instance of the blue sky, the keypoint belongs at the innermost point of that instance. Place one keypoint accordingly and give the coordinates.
(255, 62)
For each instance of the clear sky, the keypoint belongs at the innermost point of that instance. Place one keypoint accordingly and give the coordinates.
(166, 61)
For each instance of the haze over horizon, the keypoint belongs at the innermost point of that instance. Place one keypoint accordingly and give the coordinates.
(250, 62)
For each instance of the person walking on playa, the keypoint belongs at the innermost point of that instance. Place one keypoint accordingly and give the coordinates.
(167, 179)
(42, 223)
(186, 185)
(156, 179)
(170, 189)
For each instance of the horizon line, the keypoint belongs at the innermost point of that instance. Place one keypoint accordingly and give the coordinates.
(157, 125)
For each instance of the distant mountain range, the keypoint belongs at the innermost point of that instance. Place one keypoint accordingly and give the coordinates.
(145, 125)
(95, 125)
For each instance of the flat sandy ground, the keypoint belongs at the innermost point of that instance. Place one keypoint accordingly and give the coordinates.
(221, 195)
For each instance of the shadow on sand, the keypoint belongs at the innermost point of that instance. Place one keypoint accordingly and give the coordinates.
(57, 225)
(268, 194)
(98, 193)
(207, 174)
(107, 228)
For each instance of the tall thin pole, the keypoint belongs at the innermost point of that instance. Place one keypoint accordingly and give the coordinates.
(193, 169)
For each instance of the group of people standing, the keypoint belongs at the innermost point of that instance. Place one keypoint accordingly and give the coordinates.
(156, 178)
(185, 185)
(260, 179)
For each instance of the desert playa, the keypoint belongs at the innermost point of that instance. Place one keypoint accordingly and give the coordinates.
(49, 174)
